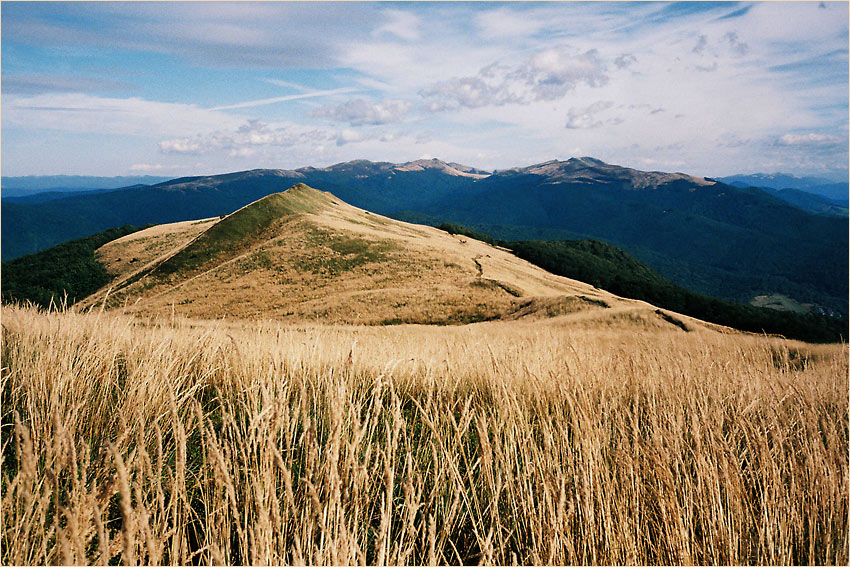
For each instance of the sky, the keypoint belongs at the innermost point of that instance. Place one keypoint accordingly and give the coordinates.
(195, 88)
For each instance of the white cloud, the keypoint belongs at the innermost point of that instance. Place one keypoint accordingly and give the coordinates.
(545, 76)
(811, 140)
(264, 101)
(503, 23)
(182, 146)
(738, 47)
(554, 72)
(249, 136)
(348, 136)
(468, 92)
(267, 34)
(625, 60)
(74, 112)
(404, 25)
(149, 167)
(38, 83)
(358, 111)
(578, 118)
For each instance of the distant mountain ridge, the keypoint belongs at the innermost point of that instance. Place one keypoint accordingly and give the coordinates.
(591, 171)
(834, 190)
(714, 238)
(19, 186)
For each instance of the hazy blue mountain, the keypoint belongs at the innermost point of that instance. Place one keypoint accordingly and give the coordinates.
(829, 188)
(44, 196)
(715, 238)
(811, 202)
(32, 184)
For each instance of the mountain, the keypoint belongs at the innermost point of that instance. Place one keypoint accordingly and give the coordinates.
(717, 239)
(33, 184)
(836, 191)
(593, 172)
(305, 255)
(720, 240)
(811, 202)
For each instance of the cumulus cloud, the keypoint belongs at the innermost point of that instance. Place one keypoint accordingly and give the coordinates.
(582, 118)
(702, 43)
(625, 60)
(241, 141)
(553, 73)
(348, 136)
(729, 45)
(359, 112)
(468, 92)
(547, 75)
(738, 47)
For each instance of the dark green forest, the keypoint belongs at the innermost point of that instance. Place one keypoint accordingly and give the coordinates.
(67, 272)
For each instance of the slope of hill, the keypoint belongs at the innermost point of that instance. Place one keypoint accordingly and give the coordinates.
(720, 240)
(65, 273)
(304, 255)
(812, 202)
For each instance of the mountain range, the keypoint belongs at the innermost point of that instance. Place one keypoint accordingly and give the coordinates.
(30, 185)
(830, 189)
(726, 241)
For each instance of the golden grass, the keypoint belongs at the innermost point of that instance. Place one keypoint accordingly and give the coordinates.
(525, 442)
(123, 256)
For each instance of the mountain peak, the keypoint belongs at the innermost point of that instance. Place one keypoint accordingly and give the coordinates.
(443, 167)
(591, 171)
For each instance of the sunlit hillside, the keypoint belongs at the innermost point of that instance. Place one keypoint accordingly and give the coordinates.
(557, 440)
(304, 255)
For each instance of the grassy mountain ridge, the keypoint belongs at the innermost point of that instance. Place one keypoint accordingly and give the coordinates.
(304, 255)
(227, 238)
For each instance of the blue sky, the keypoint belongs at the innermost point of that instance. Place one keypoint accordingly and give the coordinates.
(199, 88)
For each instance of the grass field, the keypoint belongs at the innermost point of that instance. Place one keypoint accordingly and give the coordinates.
(175, 442)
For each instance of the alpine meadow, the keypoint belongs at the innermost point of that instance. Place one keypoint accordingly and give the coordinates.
(248, 316)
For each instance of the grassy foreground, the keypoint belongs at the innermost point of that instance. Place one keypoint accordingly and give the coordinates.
(494, 443)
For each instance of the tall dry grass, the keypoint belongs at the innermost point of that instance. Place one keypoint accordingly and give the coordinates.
(495, 443)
